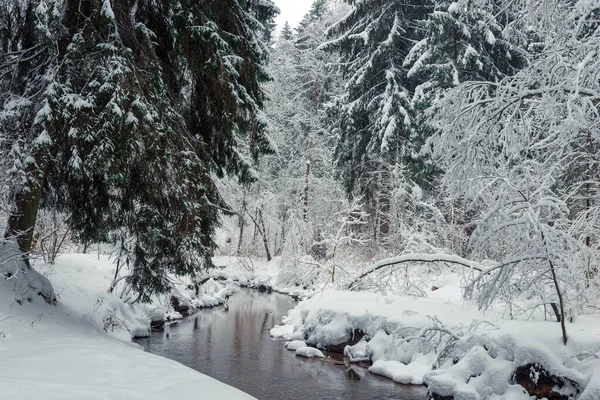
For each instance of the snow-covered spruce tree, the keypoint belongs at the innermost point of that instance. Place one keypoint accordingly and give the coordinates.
(286, 32)
(467, 40)
(524, 150)
(120, 114)
(27, 49)
(318, 10)
(374, 117)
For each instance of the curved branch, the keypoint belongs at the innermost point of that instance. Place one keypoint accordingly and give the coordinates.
(420, 258)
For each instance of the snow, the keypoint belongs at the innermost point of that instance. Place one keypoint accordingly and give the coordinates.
(418, 65)
(107, 10)
(44, 114)
(443, 341)
(490, 38)
(295, 345)
(309, 352)
(406, 374)
(440, 340)
(592, 390)
(453, 8)
(24, 283)
(390, 130)
(43, 139)
(282, 331)
(63, 352)
(82, 280)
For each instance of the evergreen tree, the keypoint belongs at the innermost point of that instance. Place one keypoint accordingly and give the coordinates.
(286, 32)
(467, 40)
(118, 114)
(374, 117)
(318, 9)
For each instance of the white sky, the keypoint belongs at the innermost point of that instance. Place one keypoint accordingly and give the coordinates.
(291, 11)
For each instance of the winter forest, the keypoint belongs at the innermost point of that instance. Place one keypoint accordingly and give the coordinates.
(418, 181)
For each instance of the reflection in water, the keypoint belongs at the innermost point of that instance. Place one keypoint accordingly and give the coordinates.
(234, 347)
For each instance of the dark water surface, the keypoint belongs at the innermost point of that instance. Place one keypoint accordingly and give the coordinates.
(232, 344)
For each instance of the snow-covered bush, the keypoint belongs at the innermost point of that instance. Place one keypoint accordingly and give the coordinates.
(302, 272)
(52, 235)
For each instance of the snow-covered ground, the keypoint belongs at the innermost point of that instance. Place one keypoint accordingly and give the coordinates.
(446, 343)
(63, 351)
(81, 346)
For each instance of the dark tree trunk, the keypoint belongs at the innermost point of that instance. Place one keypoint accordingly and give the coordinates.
(305, 200)
(239, 245)
(21, 222)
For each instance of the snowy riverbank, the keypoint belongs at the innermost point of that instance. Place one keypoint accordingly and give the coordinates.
(257, 274)
(63, 351)
(448, 344)
(81, 346)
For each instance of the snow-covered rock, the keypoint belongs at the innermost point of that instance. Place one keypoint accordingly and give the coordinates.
(282, 331)
(406, 374)
(295, 345)
(210, 294)
(309, 352)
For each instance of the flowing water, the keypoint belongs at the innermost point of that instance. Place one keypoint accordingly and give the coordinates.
(232, 344)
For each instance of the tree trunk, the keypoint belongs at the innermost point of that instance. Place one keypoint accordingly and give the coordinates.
(560, 303)
(21, 222)
(241, 224)
(239, 245)
(259, 226)
(264, 237)
(306, 176)
(383, 211)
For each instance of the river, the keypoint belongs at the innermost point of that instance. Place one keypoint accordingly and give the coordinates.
(232, 344)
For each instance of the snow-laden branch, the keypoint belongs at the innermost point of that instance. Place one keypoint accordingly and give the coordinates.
(420, 258)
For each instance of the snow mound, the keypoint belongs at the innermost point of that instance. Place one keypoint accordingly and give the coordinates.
(295, 345)
(309, 352)
(210, 294)
(119, 319)
(476, 375)
(26, 283)
(281, 331)
(406, 374)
